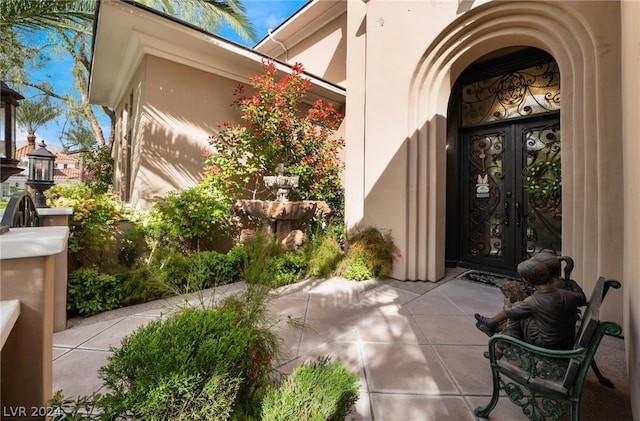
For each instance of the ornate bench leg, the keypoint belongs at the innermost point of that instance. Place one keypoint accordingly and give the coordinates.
(575, 411)
(484, 411)
(602, 379)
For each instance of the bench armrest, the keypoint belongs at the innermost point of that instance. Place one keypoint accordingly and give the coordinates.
(509, 344)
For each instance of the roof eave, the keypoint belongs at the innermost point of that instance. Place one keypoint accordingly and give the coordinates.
(125, 32)
(305, 22)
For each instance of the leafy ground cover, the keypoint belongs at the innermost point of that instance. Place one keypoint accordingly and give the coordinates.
(111, 266)
(213, 363)
(217, 363)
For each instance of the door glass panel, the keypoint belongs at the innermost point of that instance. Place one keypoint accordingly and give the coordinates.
(526, 92)
(486, 185)
(542, 184)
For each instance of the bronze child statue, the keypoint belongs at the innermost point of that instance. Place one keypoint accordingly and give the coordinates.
(548, 316)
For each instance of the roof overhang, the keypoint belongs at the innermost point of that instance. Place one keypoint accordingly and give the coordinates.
(301, 25)
(124, 32)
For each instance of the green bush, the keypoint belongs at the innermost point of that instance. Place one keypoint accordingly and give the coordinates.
(225, 266)
(99, 169)
(140, 285)
(81, 408)
(131, 246)
(286, 268)
(183, 396)
(267, 262)
(370, 254)
(199, 270)
(194, 218)
(258, 251)
(89, 291)
(94, 223)
(235, 261)
(324, 251)
(317, 391)
(177, 274)
(169, 369)
(358, 268)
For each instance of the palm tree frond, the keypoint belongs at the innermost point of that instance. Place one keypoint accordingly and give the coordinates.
(208, 14)
(31, 115)
(37, 14)
(234, 14)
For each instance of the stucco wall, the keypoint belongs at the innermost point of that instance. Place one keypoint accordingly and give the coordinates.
(413, 52)
(181, 108)
(176, 108)
(127, 112)
(324, 53)
(630, 29)
(316, 37)
(354, 126)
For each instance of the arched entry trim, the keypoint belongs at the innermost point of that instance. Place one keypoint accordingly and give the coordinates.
(489, 27)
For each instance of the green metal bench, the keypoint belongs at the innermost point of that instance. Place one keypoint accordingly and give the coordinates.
(547, 383)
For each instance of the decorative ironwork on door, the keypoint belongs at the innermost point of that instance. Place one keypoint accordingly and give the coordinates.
(542, 183)
(486, 216)
(526, 92)
(509, 173)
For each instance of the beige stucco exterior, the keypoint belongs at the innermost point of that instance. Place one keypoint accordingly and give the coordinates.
(30, 260)
(171, 87)
(397, 126)
(405, 104)
(176, 109)
(317, 37)
(630, 48)
(399, 61)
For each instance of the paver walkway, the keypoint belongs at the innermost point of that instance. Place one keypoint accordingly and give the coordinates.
(414, 345)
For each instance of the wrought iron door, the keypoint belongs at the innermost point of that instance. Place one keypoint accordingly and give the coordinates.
(511, 192)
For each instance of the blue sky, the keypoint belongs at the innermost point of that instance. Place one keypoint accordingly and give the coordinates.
(264, 14)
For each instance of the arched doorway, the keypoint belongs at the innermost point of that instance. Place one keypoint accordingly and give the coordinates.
(503, 173)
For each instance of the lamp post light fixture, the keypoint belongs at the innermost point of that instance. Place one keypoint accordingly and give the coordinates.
(40, 173)
(8, 103)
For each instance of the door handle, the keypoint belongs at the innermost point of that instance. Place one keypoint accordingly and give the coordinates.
(518, 214)
(506, 213)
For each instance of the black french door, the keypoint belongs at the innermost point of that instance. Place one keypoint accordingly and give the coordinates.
(510, 192)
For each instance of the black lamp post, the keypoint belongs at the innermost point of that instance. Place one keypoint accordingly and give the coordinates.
(8, 103)
(40, 173)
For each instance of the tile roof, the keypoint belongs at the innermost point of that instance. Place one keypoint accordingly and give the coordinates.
(58, 174)
(23, 152)
(60, 157)
(66, 174)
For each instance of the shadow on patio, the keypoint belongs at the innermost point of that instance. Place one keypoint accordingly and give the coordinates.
(414, 345)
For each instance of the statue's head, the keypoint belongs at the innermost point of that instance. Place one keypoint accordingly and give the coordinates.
(534, 272)
(551, 260)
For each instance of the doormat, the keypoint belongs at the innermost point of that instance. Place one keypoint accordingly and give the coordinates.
(487, 278)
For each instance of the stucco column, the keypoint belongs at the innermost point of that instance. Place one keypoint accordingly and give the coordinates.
(630, 31)
(58, 217)
(354, 171)
(28, 257)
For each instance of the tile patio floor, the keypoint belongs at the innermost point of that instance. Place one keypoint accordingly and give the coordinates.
(414, 345)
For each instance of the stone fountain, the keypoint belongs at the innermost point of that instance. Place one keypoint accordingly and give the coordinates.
(283, 216)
